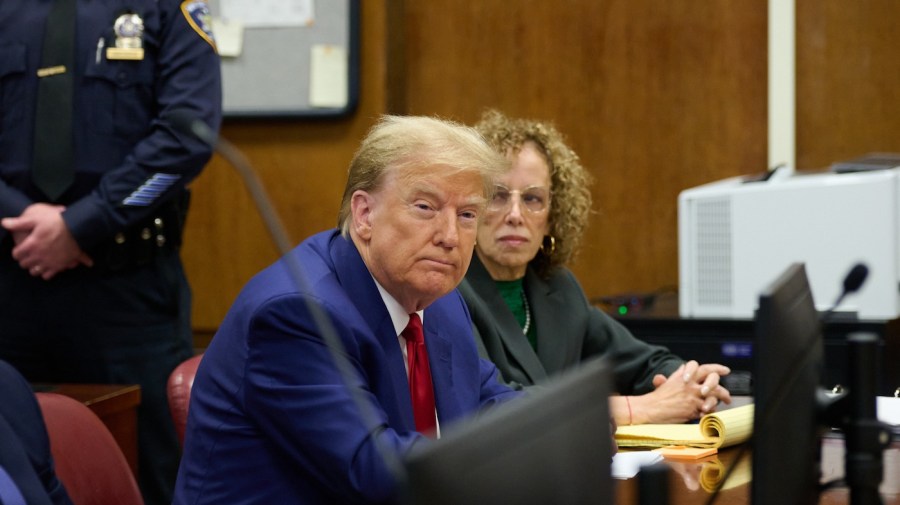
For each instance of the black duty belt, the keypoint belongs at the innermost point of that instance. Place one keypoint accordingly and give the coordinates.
(142, 242)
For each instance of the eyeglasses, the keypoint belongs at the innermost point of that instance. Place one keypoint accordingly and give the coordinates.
(534, 199)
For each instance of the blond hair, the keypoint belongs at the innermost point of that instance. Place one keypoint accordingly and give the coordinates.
(410, 142)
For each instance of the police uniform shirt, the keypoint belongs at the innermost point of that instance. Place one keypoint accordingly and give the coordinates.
(127, 160)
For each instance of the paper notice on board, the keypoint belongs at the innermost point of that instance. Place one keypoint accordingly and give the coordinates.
(268, 13)
(328, 76)
(229, 36)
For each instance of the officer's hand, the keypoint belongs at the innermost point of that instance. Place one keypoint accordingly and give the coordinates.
(44, 245)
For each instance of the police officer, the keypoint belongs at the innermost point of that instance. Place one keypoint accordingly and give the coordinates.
(91, 283)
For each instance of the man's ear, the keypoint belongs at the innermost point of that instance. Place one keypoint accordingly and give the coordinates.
(362, 205)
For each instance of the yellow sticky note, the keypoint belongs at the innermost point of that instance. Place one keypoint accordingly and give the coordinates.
(328, 76)
(685, 452)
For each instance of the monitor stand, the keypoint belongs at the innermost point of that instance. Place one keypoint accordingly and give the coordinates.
(866, 437)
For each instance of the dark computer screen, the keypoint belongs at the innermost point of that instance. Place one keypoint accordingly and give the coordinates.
(552, 447)
(787, 366)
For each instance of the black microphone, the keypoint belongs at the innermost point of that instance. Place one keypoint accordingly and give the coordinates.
(856, 277)
(186, 122)
(832, 403)
(853, 281)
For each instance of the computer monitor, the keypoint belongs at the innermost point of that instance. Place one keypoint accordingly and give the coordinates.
(788, 359)
(552, 446)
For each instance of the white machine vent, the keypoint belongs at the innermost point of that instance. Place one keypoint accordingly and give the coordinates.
(714, 252)
(737, 235)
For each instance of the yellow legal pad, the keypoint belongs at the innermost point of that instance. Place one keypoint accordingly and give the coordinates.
(713, 471)
(719, 429)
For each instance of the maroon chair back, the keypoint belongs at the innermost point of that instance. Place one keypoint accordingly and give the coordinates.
(88, 461)
(179, 391)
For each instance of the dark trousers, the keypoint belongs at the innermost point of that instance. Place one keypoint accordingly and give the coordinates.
(94, 325)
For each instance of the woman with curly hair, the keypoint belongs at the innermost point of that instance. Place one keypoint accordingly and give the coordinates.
(531, 316)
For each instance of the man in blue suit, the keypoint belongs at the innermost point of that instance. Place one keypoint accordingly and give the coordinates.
(26, 467)
(272, 420)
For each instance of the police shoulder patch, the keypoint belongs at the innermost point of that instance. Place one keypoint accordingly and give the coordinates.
(197, 14)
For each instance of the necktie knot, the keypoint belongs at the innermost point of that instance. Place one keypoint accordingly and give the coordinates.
(413, 331)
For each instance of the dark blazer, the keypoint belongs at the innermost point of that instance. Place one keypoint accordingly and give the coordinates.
(569, 330)
(24, 445)
(270, 418)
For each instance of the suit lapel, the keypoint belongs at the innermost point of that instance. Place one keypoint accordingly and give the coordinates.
(506, 325)
(355, 278)
(440, 360)
(548, 309)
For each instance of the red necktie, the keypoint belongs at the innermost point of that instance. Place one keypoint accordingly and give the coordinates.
(420, 388)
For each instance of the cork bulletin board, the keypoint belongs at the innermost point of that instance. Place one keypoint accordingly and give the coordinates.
(291, 58)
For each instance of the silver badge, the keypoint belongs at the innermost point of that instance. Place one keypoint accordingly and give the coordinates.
(129, 29)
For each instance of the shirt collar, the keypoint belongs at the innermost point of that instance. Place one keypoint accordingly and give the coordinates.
(399, 316)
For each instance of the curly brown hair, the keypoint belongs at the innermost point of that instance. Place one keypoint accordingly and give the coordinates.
(570, 205)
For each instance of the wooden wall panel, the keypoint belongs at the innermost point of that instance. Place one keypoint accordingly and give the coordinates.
(848, 91)
(656, 97)
(303, 164)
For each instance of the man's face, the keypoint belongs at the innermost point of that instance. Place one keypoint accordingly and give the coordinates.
(416, 232)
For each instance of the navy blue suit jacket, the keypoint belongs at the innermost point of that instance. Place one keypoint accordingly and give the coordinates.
(24, 446)
(271, 420)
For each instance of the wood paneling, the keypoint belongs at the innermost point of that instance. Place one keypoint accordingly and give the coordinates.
(302, 163)
(848, 95)
(656, 97)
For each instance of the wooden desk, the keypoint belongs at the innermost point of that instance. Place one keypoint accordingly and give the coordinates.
(686, 488)
(115, 405)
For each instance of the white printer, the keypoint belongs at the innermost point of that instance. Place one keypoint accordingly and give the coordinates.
(735, 236)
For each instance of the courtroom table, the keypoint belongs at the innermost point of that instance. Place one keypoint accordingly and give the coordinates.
(115, 405)
(686, 487)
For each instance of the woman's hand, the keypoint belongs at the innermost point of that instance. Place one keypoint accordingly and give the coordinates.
(690, 392)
